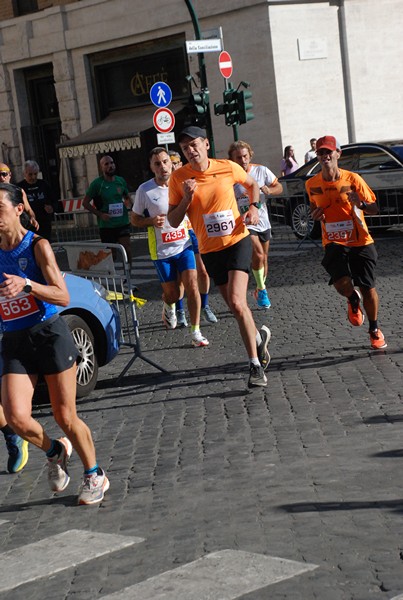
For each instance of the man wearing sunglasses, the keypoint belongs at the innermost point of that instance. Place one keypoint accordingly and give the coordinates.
(340, 199)
(31, 222)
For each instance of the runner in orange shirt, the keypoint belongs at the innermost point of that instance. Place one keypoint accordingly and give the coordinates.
(203, 189)
(339, 199)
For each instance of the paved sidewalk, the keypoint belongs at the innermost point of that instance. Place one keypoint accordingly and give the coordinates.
(301, 482)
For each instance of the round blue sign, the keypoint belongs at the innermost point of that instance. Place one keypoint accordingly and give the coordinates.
(161, 94)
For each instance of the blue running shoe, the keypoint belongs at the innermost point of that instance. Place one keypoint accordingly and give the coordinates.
(181, 320)
(262, 299)
(209, 315)
(17, 453)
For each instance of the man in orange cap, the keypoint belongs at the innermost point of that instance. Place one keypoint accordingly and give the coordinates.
(339, 199)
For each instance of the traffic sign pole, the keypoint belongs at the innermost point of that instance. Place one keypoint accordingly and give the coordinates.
(203, 76)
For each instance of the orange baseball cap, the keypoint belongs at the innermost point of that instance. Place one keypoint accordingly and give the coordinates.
(329, 142)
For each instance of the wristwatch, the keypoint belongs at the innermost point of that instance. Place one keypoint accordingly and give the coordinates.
(256, 204)
(28, 286)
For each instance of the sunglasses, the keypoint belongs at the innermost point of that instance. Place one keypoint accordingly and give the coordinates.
(4, 173)
(323, 152)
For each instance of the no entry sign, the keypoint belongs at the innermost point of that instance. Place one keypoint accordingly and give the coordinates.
(225, 64)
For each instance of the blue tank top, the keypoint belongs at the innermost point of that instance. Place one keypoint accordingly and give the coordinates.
(24, 310)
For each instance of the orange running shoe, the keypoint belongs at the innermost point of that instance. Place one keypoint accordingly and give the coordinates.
(377, 339)
(355, 315)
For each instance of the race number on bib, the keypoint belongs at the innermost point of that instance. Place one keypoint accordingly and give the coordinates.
(18, 307)
(115, 210)
(219, 223)
(173, 235)
(339, 230)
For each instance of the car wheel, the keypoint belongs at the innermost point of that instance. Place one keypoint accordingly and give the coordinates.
(87, 365)
(301, 222)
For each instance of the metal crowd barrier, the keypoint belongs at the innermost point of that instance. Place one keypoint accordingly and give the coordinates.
(107, 265)
(75, 225)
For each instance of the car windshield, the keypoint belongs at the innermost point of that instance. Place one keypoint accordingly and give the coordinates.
(399, 151)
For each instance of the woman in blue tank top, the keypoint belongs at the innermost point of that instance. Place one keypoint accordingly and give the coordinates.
(36, 341)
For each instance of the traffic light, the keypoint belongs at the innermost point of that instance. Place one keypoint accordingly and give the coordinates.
(229, 108)
(197, 108)
(244, 106)
(231, 103)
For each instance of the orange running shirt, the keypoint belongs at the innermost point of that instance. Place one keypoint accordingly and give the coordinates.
(344, 222)
(213, 210)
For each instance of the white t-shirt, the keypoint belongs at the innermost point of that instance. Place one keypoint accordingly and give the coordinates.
(263, 176)
(310, 155)
(163, 242)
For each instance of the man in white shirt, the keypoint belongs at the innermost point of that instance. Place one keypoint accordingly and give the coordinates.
(312, 152)
(170, 248)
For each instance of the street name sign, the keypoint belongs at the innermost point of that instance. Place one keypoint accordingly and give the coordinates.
(197, 46)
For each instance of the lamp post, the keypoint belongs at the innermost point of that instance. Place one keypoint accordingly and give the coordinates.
(203, 76)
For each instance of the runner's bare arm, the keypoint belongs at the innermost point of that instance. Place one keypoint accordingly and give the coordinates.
(176, 213)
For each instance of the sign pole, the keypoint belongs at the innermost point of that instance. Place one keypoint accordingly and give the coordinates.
(225, 65)
(203, 76)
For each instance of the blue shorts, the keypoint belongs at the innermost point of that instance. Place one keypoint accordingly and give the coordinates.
(168, 268)
(194, 241)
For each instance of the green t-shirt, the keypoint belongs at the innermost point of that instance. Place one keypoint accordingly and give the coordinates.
(109, 197)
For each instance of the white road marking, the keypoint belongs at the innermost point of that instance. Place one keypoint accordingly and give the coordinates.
(3, 522)
(223, 575)
(57, 553)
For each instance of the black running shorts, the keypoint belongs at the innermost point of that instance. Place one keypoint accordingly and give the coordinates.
(44, 349)
(112, 235)
(233, 258)
(357, 262)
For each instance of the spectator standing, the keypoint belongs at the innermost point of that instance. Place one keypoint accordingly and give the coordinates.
(312, 151)
(242, 153)
(108, 199)
(289, 163)
(5, 177)
(40, 197)
(339, 199)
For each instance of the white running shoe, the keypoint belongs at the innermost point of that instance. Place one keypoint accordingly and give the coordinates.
(262, 351)
(169, 317)
(198, 340)
(93, 488)
(58, 476)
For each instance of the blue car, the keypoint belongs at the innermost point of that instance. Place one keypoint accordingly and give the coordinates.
(95, 327)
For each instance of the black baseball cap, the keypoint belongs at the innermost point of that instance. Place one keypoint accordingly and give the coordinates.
(193, 132)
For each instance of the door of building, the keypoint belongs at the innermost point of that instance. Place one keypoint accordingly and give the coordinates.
(41, 137)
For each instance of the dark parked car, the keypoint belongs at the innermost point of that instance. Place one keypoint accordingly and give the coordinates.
(381, 166)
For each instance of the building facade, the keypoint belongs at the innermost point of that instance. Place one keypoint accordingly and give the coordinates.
(80, 72)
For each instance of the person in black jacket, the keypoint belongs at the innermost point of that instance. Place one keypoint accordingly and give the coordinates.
(40, 198)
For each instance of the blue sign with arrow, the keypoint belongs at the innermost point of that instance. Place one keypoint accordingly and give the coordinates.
(161, 94)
